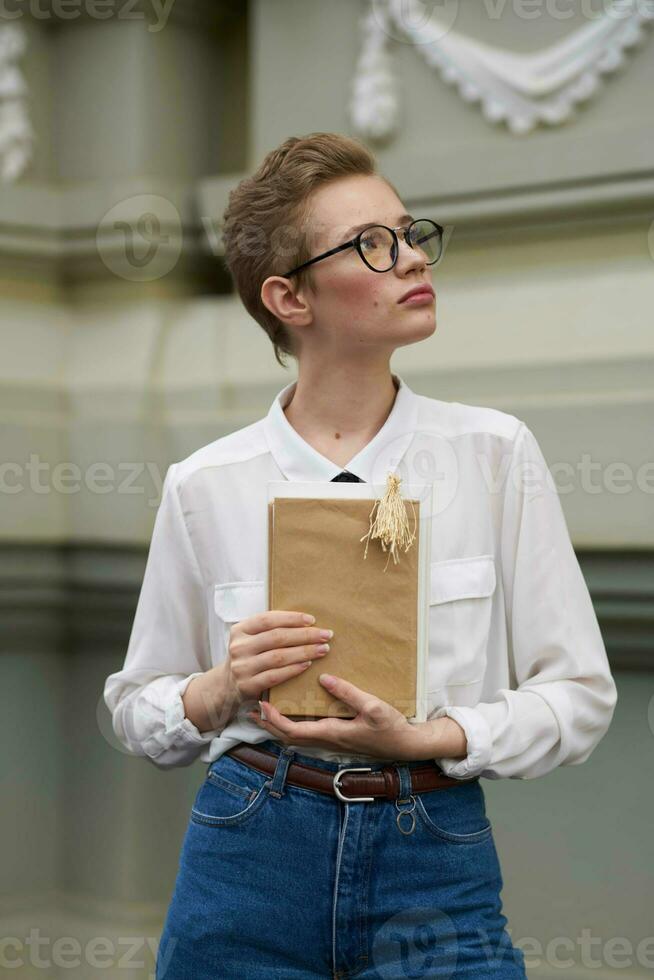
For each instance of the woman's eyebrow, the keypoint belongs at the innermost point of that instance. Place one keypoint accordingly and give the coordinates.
(368, 224)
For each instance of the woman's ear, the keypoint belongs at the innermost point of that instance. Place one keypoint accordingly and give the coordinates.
(290, 307)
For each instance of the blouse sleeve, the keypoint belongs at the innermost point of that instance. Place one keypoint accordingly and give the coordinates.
(168, 646)
(564, 695)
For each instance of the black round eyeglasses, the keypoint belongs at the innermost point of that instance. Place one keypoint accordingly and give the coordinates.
(378, 245)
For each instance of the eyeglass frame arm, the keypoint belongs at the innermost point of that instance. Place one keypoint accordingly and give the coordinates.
(356, 243)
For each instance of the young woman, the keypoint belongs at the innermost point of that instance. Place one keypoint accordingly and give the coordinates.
(292, 865)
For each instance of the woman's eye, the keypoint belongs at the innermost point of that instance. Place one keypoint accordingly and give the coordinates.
(370, 241)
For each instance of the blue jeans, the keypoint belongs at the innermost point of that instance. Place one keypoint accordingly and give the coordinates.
(278, 881)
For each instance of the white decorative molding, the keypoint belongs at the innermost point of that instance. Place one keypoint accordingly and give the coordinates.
(521, 90)
(16, 133)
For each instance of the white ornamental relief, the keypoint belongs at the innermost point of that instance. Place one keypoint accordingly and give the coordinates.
(521, 90)
(16, 133)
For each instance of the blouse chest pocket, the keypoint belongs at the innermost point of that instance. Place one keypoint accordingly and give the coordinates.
(460, 606)
(234, 602)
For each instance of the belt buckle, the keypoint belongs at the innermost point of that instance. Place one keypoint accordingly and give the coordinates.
(351, 799)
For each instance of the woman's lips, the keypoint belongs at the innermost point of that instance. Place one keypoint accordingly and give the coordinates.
(418, 299)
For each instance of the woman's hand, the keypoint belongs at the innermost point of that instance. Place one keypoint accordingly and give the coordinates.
(268, 648)
(379, 729)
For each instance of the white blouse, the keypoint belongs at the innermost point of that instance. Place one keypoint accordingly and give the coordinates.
(516, 656)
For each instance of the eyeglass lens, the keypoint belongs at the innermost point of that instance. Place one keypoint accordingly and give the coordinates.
(379, 248)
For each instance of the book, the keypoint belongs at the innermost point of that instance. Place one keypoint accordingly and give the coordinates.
(377, 608)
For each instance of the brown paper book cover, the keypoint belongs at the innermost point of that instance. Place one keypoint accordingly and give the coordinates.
(316, 564)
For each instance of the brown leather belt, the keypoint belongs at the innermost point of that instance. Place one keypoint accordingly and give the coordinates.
(352, 784)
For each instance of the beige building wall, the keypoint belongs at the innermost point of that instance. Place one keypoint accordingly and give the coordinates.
(112, 369)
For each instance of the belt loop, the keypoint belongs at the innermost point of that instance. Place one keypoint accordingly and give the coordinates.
(278, 780)
(405, 796)
(404, 792)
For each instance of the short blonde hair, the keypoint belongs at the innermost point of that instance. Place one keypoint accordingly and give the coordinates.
(274, 199)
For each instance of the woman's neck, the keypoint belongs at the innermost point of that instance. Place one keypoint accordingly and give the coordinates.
(339, 416)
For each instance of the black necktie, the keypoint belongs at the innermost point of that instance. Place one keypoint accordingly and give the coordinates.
(346, 477)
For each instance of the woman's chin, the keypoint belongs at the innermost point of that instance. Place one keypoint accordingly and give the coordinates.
(419, 329)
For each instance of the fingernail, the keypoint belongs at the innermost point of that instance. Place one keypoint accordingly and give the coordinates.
(308, 618)
(326, 678)
(265, 717)
(326, 634)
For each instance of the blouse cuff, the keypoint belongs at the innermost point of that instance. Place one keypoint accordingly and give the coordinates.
(178, 730)
(479, 742)
(176, 721)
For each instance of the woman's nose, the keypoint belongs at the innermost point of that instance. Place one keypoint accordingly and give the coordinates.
(409, 257)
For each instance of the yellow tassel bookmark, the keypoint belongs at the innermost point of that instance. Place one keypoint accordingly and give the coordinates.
(391, 524)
